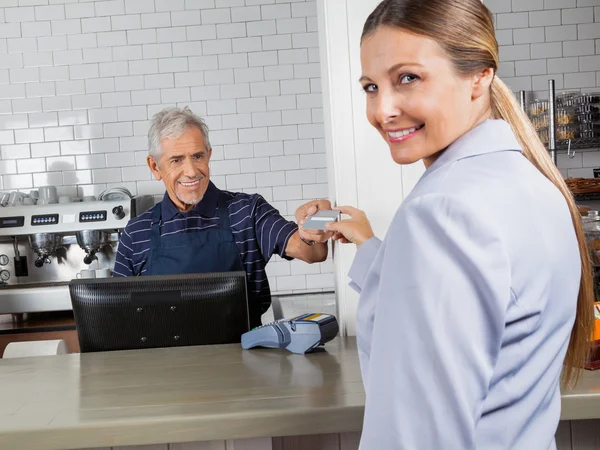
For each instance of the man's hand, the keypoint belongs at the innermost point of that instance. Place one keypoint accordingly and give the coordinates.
(357, 229)
(309, 209)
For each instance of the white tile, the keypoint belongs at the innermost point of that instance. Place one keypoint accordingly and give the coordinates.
(58, 133)
(139, 6)
(245, 14)
(533, 67)
(297, 147)
(248, 44)
(189, 79)
(276, 11)
(156, 20)
(145, 97)
(116, 99)
(251, 105)
(170, 5)
(141, 36)
(47, 43)
(199, 4)
(197, 63)
(104, 145)
(168, 65)
(577, 15)
(118, 129)
(563, 65)
(261, 28)
(10, 30)
(24, 181)
(90, 161)
(158, 50)
(313, 161)
(558, 4)
(84, 71)
(143, 67)
(311, 131)
(201, 93)
(291, 26)
(127, 53)
(305, 40)
(126, 22)
(26, 75)
(216, 47)
(21, 45)
(114, 69)
(79, 10)
(150, 187)
(230, 91)
(263, 59)
(246, 75)
(237, 182)
(220, 15)
(56, 103)
(33, 60)
(562, 33)
(307, 70)
(24, 14)
(301, 116)
(527, 5)
(141, 128)
(19, 151)
(216, 107)
(121, 159)
(201, 33)
(279, 72)
(234, 121)
(51, 12)
(580, 80)
(45, 149)
(68, 57)
(236, 151)
(76, 41)
(589, 31)
(29, 136)
(12, 61)
(578, 48)
(529, 35)
(231, 30)
(29, 105)
(515, 52)
(73, 177)
(88, 131)
(282, 102)
(183, 18)
(308, 9)
(13, 121)
(70, 87)
(270, 149)
(251, 135)
(129, 83)
(171, 34)
(97, 55)
(547, 50)
(212, 77)
(277, 42)
(43, 120)
(133, 143)
(106, 176)
(165, 80)
(265, 119)
(97, 24)
(74, 148)
(513, 20)
(110, 8)
(589, 63)
(235, 61)
(70, 26)
(175, 95)
(72, 118)
(137, 173)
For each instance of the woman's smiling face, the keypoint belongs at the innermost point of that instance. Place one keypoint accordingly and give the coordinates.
(415, 98)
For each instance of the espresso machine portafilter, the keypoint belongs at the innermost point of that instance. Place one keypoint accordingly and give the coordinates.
(92, 241)
(44, 245)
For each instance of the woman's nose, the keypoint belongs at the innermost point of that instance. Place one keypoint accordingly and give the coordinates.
(387, 108)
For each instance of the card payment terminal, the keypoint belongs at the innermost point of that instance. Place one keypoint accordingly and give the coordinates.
(301, 334)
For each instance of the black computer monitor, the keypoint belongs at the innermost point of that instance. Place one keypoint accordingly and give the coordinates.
(160, 311)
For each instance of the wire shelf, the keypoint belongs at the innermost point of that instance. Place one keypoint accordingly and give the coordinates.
(579, 144)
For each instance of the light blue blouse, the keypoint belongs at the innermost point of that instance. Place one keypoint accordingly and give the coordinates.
(467, 305)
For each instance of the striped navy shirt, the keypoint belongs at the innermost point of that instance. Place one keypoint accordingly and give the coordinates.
(258, 229)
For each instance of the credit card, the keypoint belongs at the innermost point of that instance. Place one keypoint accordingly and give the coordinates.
(320, 219)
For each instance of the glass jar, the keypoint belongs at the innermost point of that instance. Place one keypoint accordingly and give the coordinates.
(591, 227)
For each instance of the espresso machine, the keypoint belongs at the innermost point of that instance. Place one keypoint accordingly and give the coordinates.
(43, 247)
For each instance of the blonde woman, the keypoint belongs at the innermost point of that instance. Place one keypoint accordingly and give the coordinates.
(482, 285)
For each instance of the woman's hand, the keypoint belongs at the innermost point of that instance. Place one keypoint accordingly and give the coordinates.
(357, 229)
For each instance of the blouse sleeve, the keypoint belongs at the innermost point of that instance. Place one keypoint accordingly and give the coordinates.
(442, 289)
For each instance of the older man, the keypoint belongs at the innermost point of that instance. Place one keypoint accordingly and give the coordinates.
(199, 228)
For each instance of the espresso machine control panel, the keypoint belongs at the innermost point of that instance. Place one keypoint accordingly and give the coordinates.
(68, 218)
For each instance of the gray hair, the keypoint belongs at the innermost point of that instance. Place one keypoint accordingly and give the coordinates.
(171, 123)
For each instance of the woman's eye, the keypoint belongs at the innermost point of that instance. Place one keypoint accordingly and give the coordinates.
(408, 78)
(370, 88)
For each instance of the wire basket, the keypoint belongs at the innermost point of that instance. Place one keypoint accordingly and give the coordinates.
(583, 185)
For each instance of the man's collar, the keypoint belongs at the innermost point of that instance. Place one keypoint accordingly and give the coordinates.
(490, 136)
(206, 207)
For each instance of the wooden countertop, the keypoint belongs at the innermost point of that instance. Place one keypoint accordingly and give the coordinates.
(193, 394)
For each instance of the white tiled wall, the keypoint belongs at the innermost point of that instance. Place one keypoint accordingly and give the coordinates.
(551, 39)
(79, 81)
